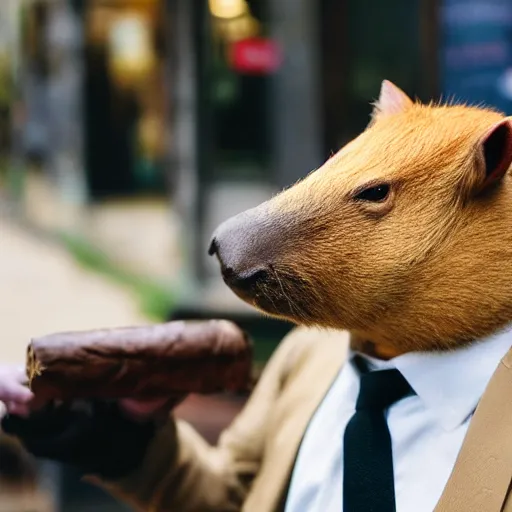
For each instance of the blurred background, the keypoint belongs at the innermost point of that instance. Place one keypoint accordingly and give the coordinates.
(129, 129)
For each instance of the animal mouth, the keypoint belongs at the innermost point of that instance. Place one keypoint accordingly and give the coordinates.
(273, 305)
(272, 293)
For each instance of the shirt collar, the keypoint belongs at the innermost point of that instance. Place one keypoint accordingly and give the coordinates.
(450, 384)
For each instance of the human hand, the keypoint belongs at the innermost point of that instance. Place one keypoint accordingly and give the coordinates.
(108, 439)
(97, 438)
(14, 393)
(104, 438)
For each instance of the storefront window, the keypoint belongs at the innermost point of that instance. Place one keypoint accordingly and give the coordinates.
(241, 70)
(476, 51)
(126, 98)
(365, 42)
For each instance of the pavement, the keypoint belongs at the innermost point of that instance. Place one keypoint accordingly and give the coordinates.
(43, 290)
(139, 233)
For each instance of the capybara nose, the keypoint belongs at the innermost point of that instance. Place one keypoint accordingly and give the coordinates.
(244, 284)
(242, 249)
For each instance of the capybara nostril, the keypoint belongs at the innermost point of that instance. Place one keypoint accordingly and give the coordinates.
(244, 283)
(214, 247)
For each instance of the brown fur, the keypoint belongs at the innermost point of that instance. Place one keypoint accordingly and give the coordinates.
(429, 268)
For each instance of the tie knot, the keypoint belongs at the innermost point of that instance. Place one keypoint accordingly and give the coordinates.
(381, 389)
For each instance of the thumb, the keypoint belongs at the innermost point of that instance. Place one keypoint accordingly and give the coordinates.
(142, 408)
(13, 385)
(149, 409)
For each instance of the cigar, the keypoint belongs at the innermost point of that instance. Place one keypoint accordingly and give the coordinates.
(144, 363)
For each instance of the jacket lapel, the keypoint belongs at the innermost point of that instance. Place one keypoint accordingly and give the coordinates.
(324, 363)
(296, 435)
(482, 473)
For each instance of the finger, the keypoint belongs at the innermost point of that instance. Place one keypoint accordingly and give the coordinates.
(142, 409)
(156, 410)
(13, 373)
(14, 392)
(18, 409)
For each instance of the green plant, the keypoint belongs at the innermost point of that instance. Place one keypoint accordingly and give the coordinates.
(156, 300)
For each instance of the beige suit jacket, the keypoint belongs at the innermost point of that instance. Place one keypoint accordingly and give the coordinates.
(250, 468)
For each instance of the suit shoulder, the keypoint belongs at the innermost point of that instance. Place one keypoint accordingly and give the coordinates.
(303, 339)
(305, 345)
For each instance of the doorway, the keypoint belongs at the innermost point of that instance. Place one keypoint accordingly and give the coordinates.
(126, 98)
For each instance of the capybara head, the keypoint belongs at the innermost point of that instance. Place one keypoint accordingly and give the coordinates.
(404, 237)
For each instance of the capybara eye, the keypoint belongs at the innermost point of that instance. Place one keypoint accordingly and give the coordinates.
(375, 194)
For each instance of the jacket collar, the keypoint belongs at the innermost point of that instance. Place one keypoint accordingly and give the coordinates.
(450, 384)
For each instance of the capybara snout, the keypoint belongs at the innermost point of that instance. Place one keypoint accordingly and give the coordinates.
(247, 247)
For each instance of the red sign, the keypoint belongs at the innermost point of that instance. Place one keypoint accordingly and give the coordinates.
(256, 56)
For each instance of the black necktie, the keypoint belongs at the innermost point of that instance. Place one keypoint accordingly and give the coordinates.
(368, 480)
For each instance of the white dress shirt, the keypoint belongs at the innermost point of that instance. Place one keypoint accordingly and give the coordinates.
(427, 429)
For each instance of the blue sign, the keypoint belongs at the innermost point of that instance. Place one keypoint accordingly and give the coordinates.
(476, 58)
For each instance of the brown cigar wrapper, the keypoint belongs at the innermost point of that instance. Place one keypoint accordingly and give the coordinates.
(141, 362)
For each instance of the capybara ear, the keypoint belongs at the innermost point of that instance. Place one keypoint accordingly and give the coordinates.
(494, 153)
(392, 100)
